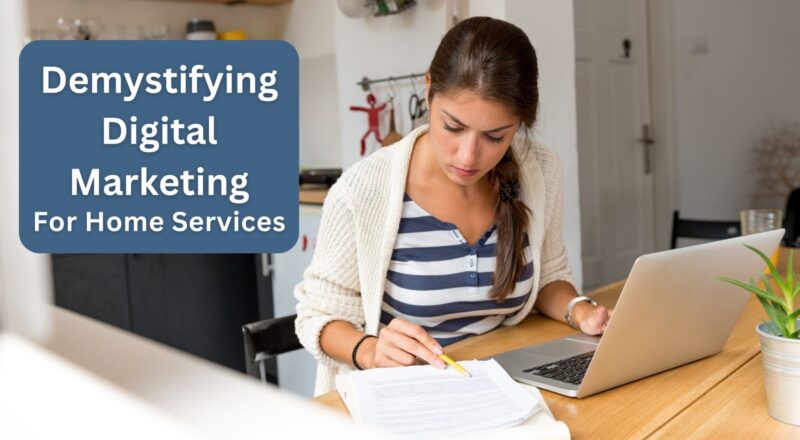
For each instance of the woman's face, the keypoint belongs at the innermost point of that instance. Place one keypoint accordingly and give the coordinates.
(469, 134)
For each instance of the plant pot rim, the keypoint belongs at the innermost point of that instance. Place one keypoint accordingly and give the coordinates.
(764, 332)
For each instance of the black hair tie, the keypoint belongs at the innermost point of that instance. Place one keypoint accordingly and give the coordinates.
(509, 191)
(355, 350)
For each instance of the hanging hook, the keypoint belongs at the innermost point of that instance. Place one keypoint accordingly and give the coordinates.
(424, 91)
(422, 106)
(392, 91)
(364, 83)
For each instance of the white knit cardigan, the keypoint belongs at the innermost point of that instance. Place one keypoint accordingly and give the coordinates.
(360, 219)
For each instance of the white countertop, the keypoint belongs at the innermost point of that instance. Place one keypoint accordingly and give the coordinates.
(171, 390)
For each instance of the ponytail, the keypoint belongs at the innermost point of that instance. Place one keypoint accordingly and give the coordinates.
(511, 216)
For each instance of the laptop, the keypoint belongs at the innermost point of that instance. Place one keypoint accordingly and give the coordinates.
(671, 311)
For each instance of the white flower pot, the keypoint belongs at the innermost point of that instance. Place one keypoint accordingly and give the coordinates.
(781, 358)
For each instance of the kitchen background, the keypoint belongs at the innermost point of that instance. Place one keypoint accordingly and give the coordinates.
(721, 77)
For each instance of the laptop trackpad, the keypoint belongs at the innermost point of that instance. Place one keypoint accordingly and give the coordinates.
(562, 348)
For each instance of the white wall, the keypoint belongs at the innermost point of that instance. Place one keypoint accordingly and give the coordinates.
(319, 113)
(379, 47)
(483, 8)
(736, 73)
(397, 45)
(551, 29)
(309, 26)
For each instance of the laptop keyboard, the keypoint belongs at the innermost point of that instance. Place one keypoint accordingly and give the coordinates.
(569, 370)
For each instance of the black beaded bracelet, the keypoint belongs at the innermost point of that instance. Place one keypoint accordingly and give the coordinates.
(355, 349)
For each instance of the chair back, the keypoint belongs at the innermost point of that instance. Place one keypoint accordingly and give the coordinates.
(792, 219)
(266, 339)
(707, 229)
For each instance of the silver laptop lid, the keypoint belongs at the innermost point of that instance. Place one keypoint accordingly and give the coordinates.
(673, 311)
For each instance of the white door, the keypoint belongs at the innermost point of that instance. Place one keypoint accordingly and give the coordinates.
(616, 185)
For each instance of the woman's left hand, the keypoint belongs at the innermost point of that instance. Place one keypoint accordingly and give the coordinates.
(594, 320)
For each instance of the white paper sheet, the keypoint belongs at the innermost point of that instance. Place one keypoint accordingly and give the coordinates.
(540, 426)
(426, 402)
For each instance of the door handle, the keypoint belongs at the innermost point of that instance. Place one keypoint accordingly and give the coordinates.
(646, 142)
(266, 265)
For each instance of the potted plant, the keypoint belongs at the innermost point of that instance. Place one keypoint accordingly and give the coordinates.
(780, 338)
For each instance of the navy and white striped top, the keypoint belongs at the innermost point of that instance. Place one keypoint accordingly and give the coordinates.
(438, 281)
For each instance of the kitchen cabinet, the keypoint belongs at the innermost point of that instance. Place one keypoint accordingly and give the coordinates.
(95, 285)
(193, 302)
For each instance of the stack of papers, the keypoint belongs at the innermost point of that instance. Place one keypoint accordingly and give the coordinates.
(422, 401)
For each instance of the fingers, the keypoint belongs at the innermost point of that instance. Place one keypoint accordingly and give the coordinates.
(608, 319)
(414, 347)
(400, 356)
(385, 362)
(603, 317)
(418, 333)
(402, 343)
(387, 355)
(596, 322)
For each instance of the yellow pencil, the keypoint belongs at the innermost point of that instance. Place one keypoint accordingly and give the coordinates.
(454, 364)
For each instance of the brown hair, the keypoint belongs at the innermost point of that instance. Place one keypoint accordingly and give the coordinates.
(496, 60)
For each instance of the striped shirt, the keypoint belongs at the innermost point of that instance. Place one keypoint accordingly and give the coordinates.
(440, 282)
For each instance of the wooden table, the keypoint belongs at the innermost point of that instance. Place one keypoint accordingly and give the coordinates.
(735, 408)
(672, 404)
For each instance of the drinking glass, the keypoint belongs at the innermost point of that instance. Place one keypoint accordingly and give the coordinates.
(762, 220)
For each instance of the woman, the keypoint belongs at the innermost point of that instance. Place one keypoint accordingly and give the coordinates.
(450, 232)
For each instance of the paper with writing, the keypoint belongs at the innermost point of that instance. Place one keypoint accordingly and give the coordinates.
(426, 402)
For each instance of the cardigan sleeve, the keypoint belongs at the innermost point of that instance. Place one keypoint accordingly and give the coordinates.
(554, 262)
(330, 287)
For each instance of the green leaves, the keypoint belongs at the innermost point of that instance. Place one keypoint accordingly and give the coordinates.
(779, 306)
(752, 288)
(772, 269)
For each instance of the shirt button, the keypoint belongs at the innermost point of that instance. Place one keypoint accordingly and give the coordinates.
(472, 275)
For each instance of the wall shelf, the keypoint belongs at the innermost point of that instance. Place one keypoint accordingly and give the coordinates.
(231, 2)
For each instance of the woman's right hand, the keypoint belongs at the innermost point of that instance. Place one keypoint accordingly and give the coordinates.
(401, 343)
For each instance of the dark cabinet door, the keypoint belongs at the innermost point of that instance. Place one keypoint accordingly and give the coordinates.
(194, 302)
(93, 285)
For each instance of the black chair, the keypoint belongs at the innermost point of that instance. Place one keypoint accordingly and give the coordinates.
(708, 229)
(792, 219)
(263, 340)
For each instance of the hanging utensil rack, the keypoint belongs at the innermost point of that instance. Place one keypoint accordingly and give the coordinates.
(366, 82)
